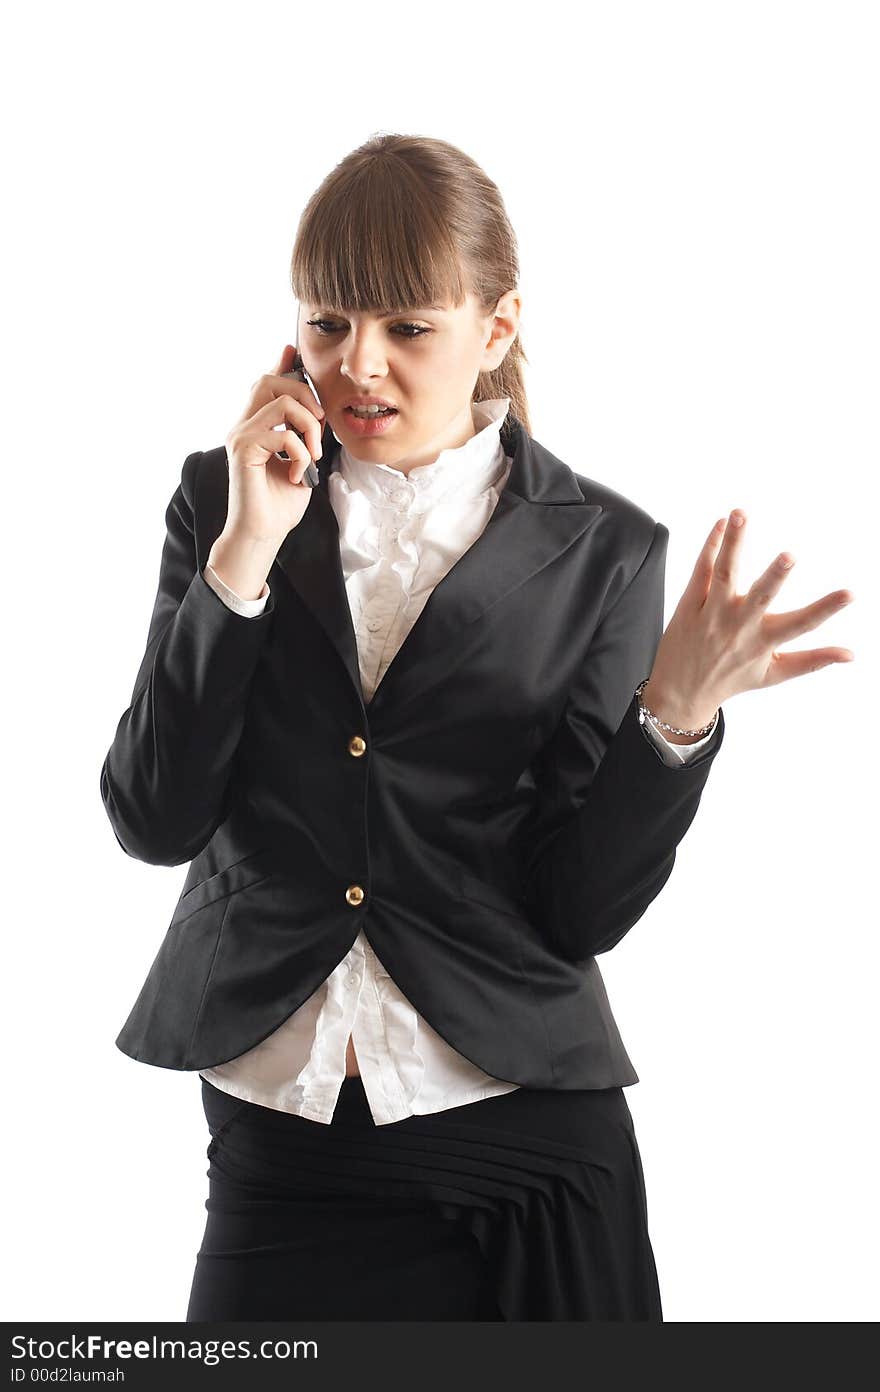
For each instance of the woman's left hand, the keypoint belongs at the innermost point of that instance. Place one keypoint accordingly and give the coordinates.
(718, 642)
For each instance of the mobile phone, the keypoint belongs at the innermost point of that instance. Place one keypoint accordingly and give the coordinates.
(310, 476)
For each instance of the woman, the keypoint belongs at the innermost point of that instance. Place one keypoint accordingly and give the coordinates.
(421, 735)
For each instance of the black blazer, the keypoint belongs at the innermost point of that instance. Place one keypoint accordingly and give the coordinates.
(493, 818)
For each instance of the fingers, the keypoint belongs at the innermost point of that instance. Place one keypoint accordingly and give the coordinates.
(697, 588)
(780, 628)
(287, 410)
(272, 385)
(770, 583)
(281, 385)
(299, 463)
(285, 362)
(784, 666)
(730, 535)
(286, 446)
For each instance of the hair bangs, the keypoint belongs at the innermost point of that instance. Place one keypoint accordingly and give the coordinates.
(367, 245)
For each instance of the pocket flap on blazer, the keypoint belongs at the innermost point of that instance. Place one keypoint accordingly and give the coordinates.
(259, 865)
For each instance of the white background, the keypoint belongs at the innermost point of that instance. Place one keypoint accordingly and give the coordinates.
(694, 189)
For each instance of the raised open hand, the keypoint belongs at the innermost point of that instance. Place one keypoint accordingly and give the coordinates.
(718, 642)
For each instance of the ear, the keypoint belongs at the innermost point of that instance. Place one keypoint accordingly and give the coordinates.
(505, 327)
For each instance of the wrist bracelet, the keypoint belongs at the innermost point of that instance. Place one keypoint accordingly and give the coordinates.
(645, 714)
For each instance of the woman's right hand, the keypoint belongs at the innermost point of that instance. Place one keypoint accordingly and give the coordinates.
(266, 495)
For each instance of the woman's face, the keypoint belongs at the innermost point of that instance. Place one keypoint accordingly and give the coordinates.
(425, 362)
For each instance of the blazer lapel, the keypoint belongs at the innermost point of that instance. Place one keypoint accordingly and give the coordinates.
(540, 513)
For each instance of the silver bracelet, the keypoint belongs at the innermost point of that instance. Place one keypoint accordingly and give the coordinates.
(645, 714)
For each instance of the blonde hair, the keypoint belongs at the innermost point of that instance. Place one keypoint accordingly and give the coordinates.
(408, 220)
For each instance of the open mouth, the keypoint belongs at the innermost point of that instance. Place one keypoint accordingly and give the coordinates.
(372, 424)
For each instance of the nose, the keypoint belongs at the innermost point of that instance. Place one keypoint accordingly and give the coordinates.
(364, 359)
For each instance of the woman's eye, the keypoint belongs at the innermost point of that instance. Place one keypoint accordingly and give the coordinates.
(326, 326)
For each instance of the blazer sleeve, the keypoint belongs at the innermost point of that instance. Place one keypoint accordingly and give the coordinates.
(610, 811)
(165, 780)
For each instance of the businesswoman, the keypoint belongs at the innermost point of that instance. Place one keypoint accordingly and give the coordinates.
(408, 708)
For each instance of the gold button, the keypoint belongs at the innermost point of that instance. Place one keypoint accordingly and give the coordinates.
(356, 746)
(354, 894)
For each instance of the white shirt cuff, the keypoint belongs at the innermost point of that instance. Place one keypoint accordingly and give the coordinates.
(675, 753)
(248, 608)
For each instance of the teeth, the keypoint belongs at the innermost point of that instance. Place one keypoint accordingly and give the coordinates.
(369, 410)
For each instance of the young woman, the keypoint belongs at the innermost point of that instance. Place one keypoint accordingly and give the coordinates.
(423, 739)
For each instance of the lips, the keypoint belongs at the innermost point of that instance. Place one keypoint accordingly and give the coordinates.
(373, 425)
(367, 401)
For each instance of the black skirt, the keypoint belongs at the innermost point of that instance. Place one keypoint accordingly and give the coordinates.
(526, 1206)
